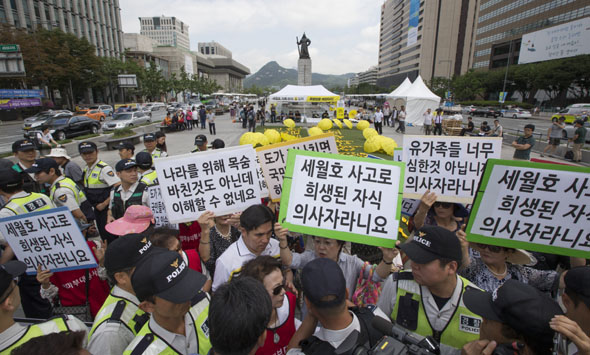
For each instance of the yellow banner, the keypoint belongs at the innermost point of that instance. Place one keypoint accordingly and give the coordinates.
(340, 113)
(322, 98)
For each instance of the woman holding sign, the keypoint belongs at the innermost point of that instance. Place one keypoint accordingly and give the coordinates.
(443, 214)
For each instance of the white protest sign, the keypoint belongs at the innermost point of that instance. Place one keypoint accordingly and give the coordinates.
(50, 238)
(158, 208)
(273, 158)
(450, 166)
(409, 206)
(261, 182)
(223, 181)
(398, 154)
(342, 197)
(533, 206)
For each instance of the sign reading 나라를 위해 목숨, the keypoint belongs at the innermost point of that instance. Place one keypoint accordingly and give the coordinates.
(50, 238)
(533, 206)
(273, 158)
(342, 197)
(450, 166)
(223, 181)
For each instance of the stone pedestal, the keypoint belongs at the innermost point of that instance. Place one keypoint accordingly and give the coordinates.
(304, 71)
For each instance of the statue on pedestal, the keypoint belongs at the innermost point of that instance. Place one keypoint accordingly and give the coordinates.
(302, 46)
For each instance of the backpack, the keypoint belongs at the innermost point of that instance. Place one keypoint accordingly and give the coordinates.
(569, 155)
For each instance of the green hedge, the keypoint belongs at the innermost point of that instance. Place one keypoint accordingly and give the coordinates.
(123, 132)
(86, 136)
(496, 103)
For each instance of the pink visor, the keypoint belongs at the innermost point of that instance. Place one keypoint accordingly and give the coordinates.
(136, 220)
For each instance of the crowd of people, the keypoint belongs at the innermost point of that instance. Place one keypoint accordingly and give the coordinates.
(244, 284)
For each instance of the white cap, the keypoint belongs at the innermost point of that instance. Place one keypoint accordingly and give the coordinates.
(58, 152)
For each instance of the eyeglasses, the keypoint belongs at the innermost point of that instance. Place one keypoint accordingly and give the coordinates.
(443, 204)
(492, 248)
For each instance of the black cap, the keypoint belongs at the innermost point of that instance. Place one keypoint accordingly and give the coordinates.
(322, 278)
(43, 164)
(578, 281)
(200, 139)
(149, 137)
(126, 251)
(87, 147)
(10, 178)
(9, 271)
(516, 304)
(432, 243)
(144, 160)
(125, 145)
(22, 145)
(531, 126)
(125, 164)
(218, 144)
(165, 274)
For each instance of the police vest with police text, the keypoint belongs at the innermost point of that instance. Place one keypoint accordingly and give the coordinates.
(148, 343)
(54, 325)
(462, 328)
(150, 178)
(122, 310)
(30, 203)
(96, 190)
(119, 207)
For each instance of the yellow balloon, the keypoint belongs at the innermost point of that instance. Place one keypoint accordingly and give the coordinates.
(325, 124)
(287, 137)
(372, 144)
(273, 136)
(338, 123)
(348, 123)
(352, 114)
(248, 138)
(369, 132)
(261, 139)
(314, 131)
(289, 123)
(362, 125)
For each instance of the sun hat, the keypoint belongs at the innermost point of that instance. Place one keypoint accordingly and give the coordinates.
(517, 257)
(136, 219)
(58, 153)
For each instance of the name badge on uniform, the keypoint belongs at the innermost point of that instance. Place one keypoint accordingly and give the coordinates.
(205, 328)
(469, 324)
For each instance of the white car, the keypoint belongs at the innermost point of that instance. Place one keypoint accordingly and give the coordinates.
(126, 119)
(516, 113)
(568, 132)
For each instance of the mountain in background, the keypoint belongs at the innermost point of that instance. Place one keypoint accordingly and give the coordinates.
(275, 76)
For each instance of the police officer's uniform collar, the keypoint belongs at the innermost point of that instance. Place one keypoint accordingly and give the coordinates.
(59, 178)
(93, 165)
(452, 302)
(119, 292)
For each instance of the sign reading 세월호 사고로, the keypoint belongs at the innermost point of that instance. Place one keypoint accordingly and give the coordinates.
(450, 166)
(222, 181)
(50, 238)
(342, 197)
(273, 158)
(533, 206)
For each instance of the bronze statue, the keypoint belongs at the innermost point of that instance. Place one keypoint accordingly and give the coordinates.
(302, 46)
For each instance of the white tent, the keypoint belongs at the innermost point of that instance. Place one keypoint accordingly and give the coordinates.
(397, 93)
(418, 98)
(301, 93)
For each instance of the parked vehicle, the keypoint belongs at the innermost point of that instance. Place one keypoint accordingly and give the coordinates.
(34, 122)
(96, 114)
(568, 132)
(486, 112)
(126, 119)
(147, 110)
(468, 110)
(67, 126)
(177, 106)
(158, 106)
(516, 113)
(107, 109)
(573, 112)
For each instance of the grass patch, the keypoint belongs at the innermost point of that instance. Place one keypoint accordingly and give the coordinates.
(86, 136)
(65, 141)
(123, 132)
(145, 124)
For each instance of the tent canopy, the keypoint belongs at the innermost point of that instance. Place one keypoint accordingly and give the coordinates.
(419, 90)
(398, 92)
(300, 93)
(417, 98)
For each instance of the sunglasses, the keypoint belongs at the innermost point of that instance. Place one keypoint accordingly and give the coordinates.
(277, 290)
(492, 248)
(443, 204)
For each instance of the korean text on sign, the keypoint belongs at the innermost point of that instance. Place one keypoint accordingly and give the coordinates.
(541, 207)
(343, 197)
(158, 208)
(450, 166)
(50, 238)
(222, 181)
(273, 158)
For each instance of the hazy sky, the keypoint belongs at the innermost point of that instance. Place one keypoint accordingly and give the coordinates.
(344, 33)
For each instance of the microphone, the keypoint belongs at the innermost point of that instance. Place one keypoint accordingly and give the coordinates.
(382, 325)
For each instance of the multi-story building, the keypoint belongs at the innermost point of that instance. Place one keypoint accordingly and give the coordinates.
(141, 49)
(213, 48)
(99, 21)
(215, 62)
(502, 23)
(167, 31)
(369, 76)
(430, 38)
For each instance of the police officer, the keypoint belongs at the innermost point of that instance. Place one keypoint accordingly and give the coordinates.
(13, 334)
(24, 151)
(21, 202)
(166, 288)
(98, 179)
(149, 141)
(147, 174)
(120, 319)
(63, 191)
(428, 301)
(126, 150)
(200, 143)
(130, 192)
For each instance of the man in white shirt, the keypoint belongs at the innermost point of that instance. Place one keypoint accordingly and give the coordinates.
(401, 117)
(379, 121)
(427, 122)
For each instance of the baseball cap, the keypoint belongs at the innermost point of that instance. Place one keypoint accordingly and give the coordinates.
(516, 304)
(531, 126)
(10, 178)
(218, 144)
(165, 274)
(87, 147)
(578, 280)
(43, 164)
(431, 243)
(200, 139)
(125, 164)
(22, 145)
(323, 283)
(137, 218)
(126, 251)
(143, 159)
(58, 153)
(125, 145)
(149, 137)
(9, 271)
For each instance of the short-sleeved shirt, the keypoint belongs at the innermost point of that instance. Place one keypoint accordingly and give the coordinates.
(378, 117)
(556, 131)
(401, 115)
(6, 212)
(235, 256)
(73, 171)
(581, 132)
(17, 330)
(524, 154)
(64, 196)
(126, 194)
(107, 175)
(427, 119)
